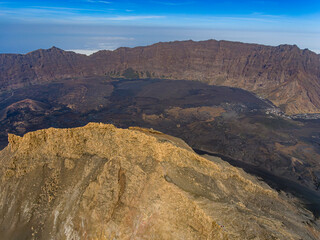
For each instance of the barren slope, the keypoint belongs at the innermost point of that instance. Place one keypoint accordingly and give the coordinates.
(286, 75)
(100, 182)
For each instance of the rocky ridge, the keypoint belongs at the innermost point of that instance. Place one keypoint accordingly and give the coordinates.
(100, 182)
(229, 122)
(286, 75)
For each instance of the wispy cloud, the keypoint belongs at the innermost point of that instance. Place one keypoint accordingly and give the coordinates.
(173, 3)
(131, 18)
(248, 18)
(95, 44)
(112, 38)
(66, 8)
(118, 18)
(87, 52)
(95, 37)
(99, 1)
(69, 15)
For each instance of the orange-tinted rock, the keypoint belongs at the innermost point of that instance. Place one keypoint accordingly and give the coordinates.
(100, 182)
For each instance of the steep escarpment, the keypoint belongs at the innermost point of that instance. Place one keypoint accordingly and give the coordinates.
(39, 66)
(286, 75)
(100, 182)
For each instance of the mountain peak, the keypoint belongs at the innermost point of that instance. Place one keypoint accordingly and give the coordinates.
(99, 180)
(55, 49)
(285, 75)
(49, 50)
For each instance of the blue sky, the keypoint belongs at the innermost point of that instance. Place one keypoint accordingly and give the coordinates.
(90, 25)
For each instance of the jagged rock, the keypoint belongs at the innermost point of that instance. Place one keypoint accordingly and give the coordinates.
(286, 75)
(100, 182)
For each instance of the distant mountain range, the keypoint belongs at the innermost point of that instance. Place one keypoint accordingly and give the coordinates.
(139, 87)
(286, 75)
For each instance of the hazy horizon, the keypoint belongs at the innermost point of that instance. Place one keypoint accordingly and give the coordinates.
(92, 25)
(89, 52)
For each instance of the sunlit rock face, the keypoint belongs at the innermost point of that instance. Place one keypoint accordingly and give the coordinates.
(101, 182)
(286, 75)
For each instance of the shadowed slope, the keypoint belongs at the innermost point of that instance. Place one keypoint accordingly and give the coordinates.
(286, 75)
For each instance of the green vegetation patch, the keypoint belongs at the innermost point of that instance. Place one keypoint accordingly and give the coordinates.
(130, 74)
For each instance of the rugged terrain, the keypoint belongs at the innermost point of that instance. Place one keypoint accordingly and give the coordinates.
(55, 88)
(100, 182)
(286, 75)
(227, 121)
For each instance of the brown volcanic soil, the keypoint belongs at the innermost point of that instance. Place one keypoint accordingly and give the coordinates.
(100, 182)
(226, 121)
(286, 75)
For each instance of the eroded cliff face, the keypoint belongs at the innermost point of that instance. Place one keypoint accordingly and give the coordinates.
(100, 182)
(286, 75)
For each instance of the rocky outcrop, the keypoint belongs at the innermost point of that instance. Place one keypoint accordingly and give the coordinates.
(100, 182)
(28, 104)
(286, 75)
